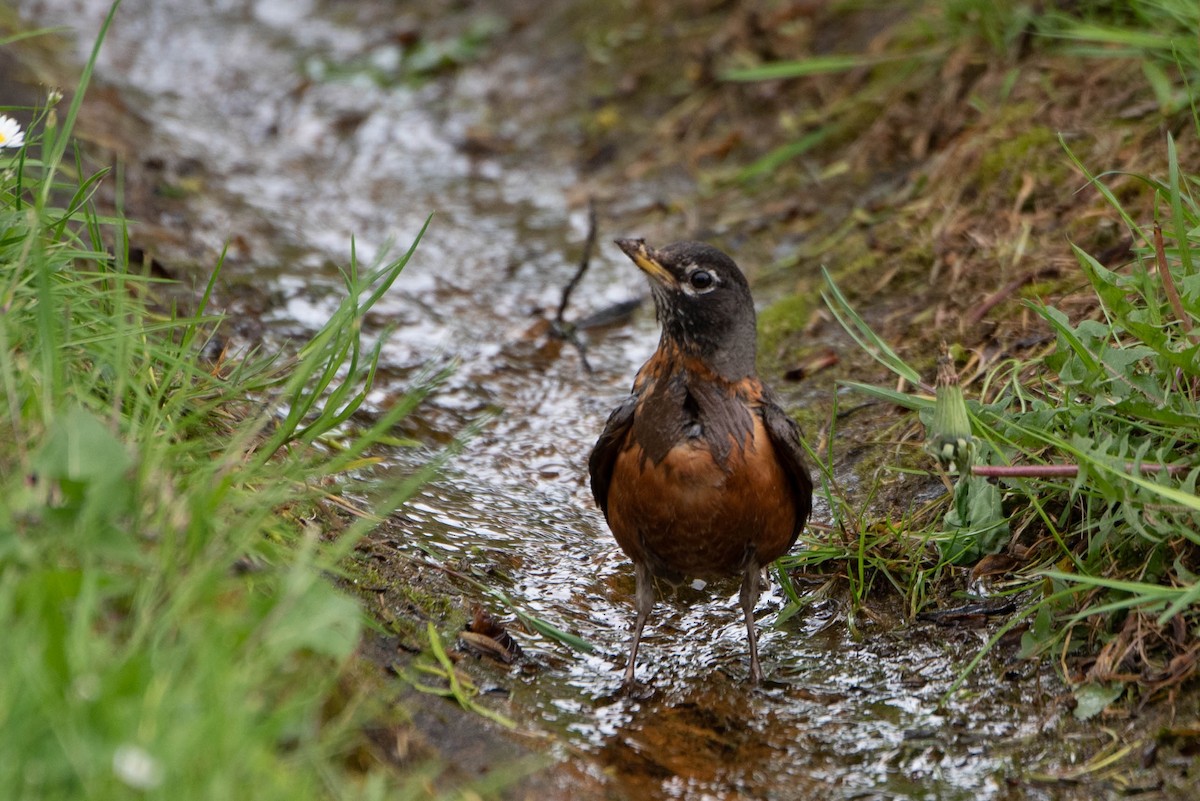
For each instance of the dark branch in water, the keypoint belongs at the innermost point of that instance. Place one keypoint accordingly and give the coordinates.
(584, 261)
(560, 327)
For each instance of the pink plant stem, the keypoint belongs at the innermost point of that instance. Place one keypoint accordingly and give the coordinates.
(1052, 470)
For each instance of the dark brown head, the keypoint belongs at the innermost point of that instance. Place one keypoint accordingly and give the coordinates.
(703, 303)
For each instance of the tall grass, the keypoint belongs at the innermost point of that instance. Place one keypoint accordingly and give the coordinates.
(1086, 456)
(168, 629)
(1089, 455)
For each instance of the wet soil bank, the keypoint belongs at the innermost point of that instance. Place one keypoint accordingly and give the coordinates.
(283, 130)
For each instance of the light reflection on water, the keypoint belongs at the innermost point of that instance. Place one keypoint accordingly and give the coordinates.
(845, 714)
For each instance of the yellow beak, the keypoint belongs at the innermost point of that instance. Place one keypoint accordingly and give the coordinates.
(644, 258)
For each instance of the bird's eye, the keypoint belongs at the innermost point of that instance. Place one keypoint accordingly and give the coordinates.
(701, 279)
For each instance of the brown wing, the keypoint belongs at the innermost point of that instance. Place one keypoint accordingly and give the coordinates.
(604, 455)
(785, 437)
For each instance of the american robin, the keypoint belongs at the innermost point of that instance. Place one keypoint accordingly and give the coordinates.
(699, 472)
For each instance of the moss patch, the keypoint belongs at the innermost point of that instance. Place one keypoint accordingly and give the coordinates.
(781, 320)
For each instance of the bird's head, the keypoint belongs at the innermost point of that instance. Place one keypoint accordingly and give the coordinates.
(702, 301)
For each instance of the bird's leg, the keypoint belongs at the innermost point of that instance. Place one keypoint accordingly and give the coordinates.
(644, 602)
(749, 598)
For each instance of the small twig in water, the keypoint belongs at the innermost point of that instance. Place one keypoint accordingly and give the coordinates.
(559, 325)
(584, 261)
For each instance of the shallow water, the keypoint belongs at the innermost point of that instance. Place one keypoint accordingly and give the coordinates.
(284, 121)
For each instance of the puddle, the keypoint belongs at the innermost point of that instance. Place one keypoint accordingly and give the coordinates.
(287, 130)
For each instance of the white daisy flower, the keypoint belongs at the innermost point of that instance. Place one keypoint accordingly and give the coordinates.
(11, 134)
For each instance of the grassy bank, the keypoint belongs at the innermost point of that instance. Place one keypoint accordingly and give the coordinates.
(169, 627)
(1052, 242)
(1075, 467)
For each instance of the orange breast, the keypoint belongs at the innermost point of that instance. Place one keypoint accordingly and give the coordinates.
(688, 515)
